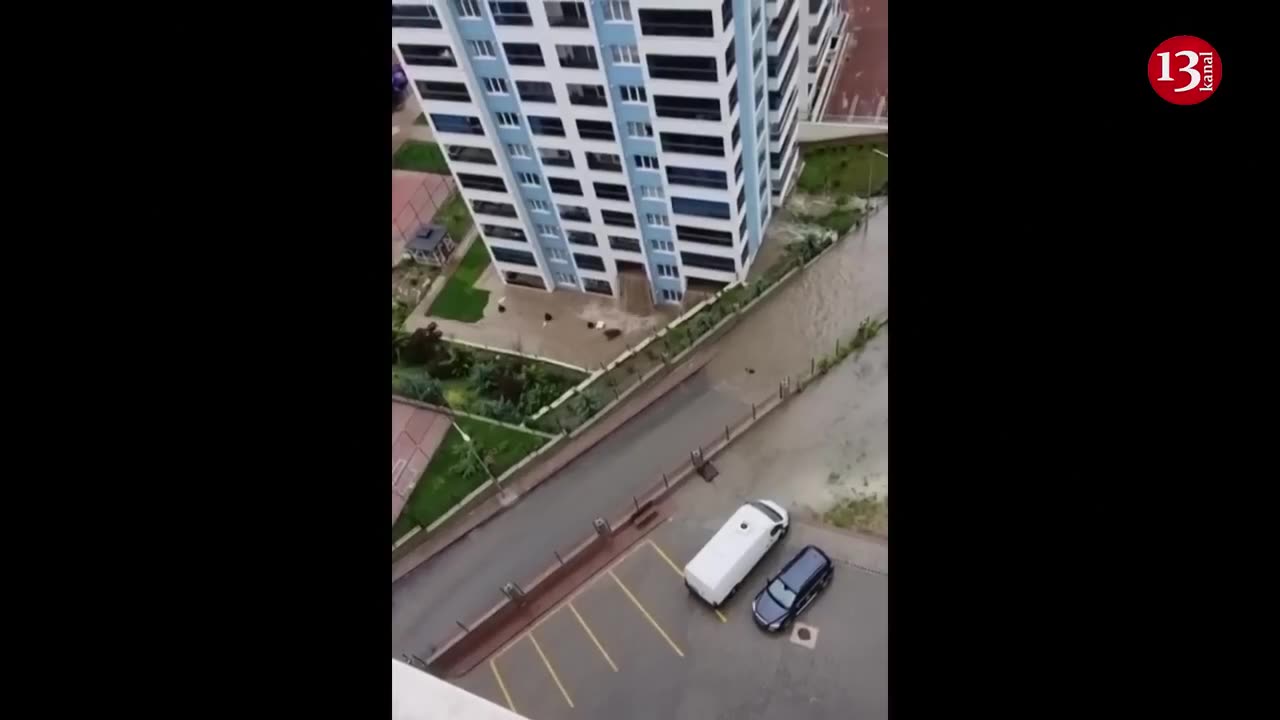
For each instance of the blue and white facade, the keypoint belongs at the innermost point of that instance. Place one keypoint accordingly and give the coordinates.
(592, 137)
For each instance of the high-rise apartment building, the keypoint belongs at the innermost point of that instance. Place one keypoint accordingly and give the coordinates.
(821, 25)
(595, 140)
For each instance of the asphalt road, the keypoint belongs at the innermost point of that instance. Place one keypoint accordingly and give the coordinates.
(465, 580)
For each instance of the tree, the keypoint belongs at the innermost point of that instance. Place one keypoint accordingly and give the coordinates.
(423, 346)
(470, 462)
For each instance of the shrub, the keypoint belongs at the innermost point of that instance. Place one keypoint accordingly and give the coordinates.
(612, 333)
(422, 347)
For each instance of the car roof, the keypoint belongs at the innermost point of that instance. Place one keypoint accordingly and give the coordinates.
(809, 562)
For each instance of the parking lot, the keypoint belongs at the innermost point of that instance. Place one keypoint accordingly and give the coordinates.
(633, 643)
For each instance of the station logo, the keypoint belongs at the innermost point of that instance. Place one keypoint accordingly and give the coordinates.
(1185, 70)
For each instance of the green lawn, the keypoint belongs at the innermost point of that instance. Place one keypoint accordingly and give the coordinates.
(455, 216)
(844, 170)
(438, 489)
(460, 299)
(420, 156)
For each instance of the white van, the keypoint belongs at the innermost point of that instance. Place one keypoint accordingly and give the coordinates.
(715, 573)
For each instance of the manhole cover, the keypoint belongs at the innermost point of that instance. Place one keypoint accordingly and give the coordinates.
(805, 635)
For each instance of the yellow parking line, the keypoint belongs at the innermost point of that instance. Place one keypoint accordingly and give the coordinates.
(646, 614)
(502, 686)
(670, 562)
(679, 572)
(593, 637)
(550, 669)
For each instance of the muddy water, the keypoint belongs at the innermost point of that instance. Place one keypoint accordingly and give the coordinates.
(804, 319)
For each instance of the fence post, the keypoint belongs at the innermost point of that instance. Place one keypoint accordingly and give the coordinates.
(464, 627)
(557, 552)
(665, 484)
(813, 365)
(753, 412)
(637, 502)
(726, 433)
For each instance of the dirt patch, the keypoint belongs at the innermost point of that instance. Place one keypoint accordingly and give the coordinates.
(410, 282)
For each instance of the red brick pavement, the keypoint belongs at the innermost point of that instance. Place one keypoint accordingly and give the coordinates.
(415, 435)
(864, 75)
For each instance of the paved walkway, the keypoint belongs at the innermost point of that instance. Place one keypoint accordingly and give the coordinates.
(566, 338)
(415, 435)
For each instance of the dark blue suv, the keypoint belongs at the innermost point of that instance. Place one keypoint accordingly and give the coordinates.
(787, 594)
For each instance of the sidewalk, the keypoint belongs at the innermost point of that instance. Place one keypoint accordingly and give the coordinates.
(525, 484)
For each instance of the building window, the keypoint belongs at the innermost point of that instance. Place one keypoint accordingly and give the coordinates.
(482, 49)
(497, 86)
(590, 262)
(566, 14)
(518, 257)
(688, 233)
(449, 91)
(596, 130)
(577, 56)
(730, 56)
(615, 11)
(697, 177)
(557, 158)
(593, 95)
(672, 295)
(539, 125)
(510, 13)
(726, 13)
(662, 245)
(462, 153)
(633, 93)
(540, 206)
(648, 162)
(610, 191)
(524, 54)
(547, 230)
(565, 186)
(484, 207)
(576, 213)
(710, 262)
(517, 150)
(535, 91)
(419, 16)
(621, 219)
(599, 287)
(669, 271)
(577, 237)
(639, 129)
(651, 192)
(625, 54)
(505, 233)
(682, 67)
(687, 108)
(701, 208)
(437, 55)
(482, 182)
(657, 219)
(692, 144)
(556, 254)
(617, 242)
(465, 124)
(677, 23)
(467, 8)
(529, 178)
(604, 161)
(508, 119)
(564, 278)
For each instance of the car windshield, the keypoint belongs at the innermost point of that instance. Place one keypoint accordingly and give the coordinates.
(781, 594)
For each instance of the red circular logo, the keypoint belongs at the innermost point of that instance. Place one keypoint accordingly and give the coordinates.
(1184, 70)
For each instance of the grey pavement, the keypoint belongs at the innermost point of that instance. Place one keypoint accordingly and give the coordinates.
(825, 302)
